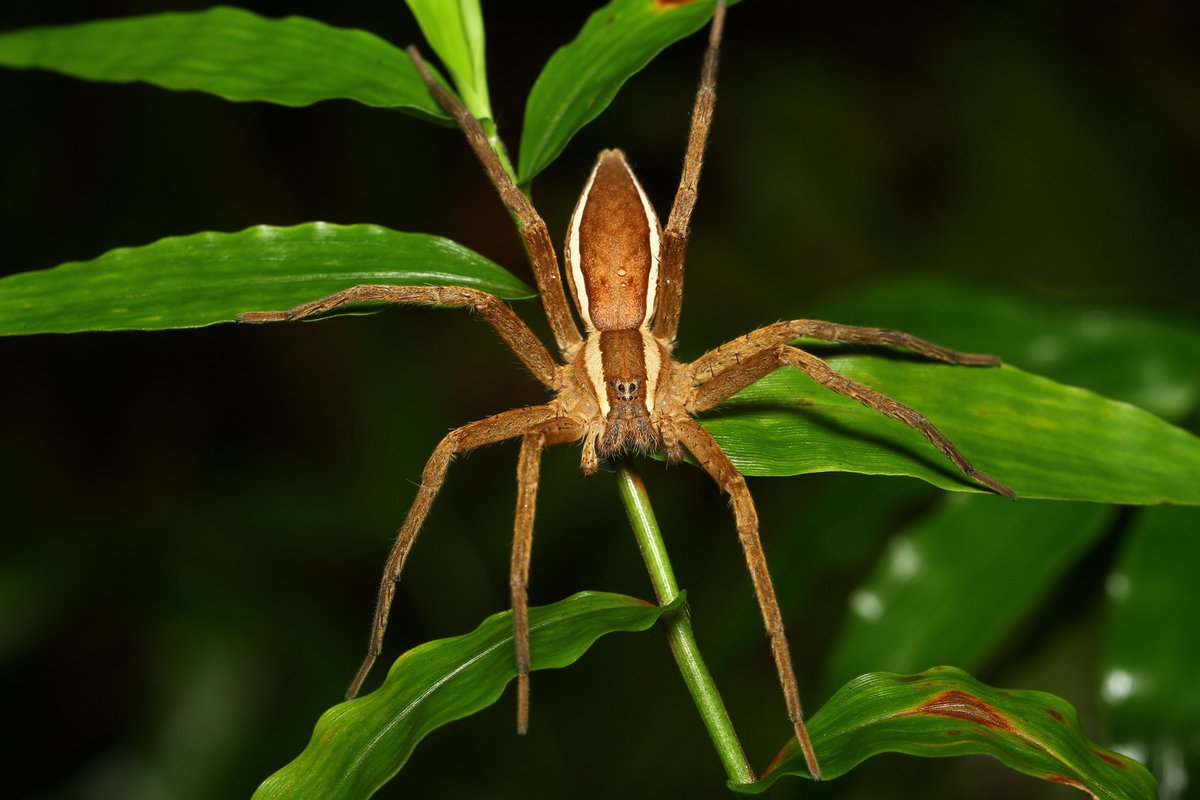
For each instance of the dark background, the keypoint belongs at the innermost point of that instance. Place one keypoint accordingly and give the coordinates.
(194, 521)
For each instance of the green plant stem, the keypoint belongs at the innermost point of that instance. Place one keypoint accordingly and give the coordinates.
(679, 626)
(493, 137)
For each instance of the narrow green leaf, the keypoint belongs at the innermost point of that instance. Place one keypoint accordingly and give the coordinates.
(206, 278)
(583, 77)
(1153, 647)
(231, 53)
(1042, 438)
(360, 744)
(454, 29)
(945, 712)
(1147, 358)
(995, 558)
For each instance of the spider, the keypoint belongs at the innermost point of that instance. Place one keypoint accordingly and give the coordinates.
(618, 389)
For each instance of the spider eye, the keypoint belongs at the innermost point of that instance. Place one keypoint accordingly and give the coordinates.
(626, 390)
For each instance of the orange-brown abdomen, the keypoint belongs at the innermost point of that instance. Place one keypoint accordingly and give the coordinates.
(612, 249)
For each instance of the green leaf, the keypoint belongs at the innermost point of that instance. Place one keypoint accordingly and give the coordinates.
(1042, 438)
(360, 744)
(996, 559)
(583, 77)
(454, 29)
(945, 712)
(206, 278)
(1153, 646)
(1147, 358)
(231, 53)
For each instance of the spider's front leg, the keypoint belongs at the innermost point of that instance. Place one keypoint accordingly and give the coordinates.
(734, 366)
(675, 235)
(533, 228)
(737, 350)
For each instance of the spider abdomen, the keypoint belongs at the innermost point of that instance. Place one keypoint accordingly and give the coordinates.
(612, 250)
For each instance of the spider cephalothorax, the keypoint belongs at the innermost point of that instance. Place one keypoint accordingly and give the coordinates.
(618, 388)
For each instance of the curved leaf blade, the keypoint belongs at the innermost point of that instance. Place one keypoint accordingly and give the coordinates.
(1042, 438)
(997, 559)
(206, 278)
(582, 78)
(1143, 357)
(455, 32)
(945, 712)
(232, 53)
(358, 745)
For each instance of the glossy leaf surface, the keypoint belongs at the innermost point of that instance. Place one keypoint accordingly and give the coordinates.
(582, 78)
(1124, 353)
(952, 585)
(1149, 667)
(231, 53)
(206, 278)
(1044, 439)
(360, 744)
(454, 29)
(945, 712)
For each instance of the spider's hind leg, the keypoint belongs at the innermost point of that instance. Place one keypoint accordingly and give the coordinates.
(716, 463)
(528, 473)
(497, 428)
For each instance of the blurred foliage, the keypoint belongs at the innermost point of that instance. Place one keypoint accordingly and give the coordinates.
(194, 521)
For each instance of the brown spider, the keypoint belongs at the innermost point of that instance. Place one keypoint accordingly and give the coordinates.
(619, 390)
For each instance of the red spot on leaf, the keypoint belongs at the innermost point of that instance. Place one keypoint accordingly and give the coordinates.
(1057, 716)
(954, 733)
(674, 2)
(1074, 784)
(958, 704)
(1111, 759)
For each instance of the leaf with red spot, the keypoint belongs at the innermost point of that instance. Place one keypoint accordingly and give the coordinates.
(945, 712)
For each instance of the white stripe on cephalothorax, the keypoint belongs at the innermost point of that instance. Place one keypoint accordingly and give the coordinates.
(595, 371)
(652, 358)
(573, 255)
(652, 278)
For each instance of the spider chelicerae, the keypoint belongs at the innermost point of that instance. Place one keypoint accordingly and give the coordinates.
(618, 389)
